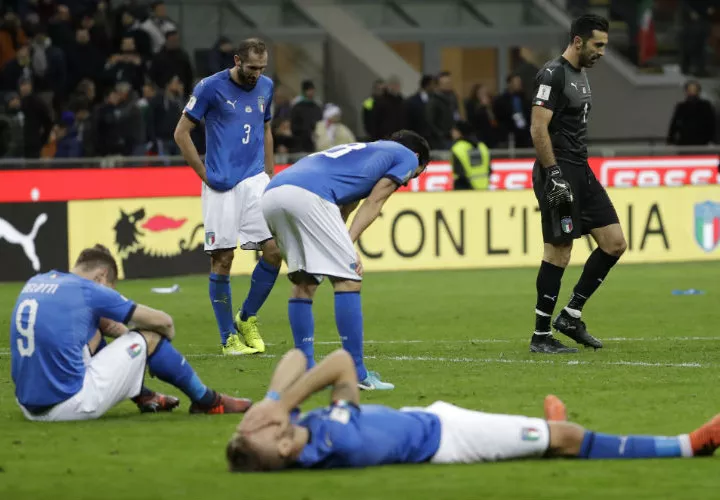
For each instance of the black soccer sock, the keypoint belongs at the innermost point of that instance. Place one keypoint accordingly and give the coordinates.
(596, 269)
(548, 288)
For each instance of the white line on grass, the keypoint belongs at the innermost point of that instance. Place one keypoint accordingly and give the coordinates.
(571, 362)
(507, 341)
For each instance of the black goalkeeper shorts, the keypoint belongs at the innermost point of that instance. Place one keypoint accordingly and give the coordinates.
(591, 206)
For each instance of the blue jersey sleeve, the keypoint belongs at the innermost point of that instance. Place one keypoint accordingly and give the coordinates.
(107, 303)
(197, 106)
(402, 168)
(268, 113)
(335, 436)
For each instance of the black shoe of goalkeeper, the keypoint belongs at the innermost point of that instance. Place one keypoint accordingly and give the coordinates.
(575, 329)
(547, 344)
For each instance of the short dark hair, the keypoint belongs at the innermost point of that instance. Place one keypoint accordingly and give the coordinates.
(510, 77)
(584, 26)
(415, 143)
(97, 256)
(238, 458)
(251, 45)
(426, 80)
(443, 73)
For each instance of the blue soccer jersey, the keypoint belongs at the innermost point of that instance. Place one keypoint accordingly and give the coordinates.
(234, 127)
(344, 435)
(347, 173)
(54, 317)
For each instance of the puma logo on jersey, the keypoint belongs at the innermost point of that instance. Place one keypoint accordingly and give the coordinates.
(231, 103)
(575, 85)
(549, 70)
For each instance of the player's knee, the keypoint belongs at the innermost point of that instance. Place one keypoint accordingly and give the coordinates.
(565, 439)
(616, 247)
(303, 291)
(558, 255)
(152, 340)
(271, 254)
(347, 285)
(221, 261)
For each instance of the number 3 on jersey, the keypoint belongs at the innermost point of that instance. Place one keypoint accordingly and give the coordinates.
(246, 139)
(25, 326)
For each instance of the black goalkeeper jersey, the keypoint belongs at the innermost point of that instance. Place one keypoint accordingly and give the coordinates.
(565, 90)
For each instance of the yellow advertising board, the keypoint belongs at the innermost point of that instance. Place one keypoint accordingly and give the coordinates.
(449, 230)
(150, 237)
(457, 230)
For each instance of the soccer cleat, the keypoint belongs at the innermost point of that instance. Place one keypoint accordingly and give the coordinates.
(156, 403)
(547, 344)
(555, 410)
(706, 439)
(222, 404)
(373, 383)
(235, 347)
(575, 329)
(250, 332)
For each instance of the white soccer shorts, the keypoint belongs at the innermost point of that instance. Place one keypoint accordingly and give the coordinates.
(235, 214)
(310, 233)
(469, 436)
(114, 374)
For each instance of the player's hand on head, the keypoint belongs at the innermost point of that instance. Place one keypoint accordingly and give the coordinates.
(264, 413)
(557, 189)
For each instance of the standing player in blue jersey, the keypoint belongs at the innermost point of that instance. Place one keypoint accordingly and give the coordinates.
(306, 207)
(57, 323)
(274, 436)
(235, 104)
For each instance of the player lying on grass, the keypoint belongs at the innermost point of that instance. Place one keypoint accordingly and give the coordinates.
(272, 436)
(306, 207)
(56, 325)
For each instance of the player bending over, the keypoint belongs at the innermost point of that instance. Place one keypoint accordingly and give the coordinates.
(306, 207)
(346, 434)
(55, 318)
(235, 104)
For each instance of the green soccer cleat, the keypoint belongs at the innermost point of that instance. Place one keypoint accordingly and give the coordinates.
(250, 332)
(235, 347)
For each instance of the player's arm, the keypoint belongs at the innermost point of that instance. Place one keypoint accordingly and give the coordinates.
(288, 370)
(337, 370)
(549, 85)
(147, 318)
(110, 328)
(346, 210)
(194, 111)
(269, 153)
(187, 146)
(539, 130)
(370, 209)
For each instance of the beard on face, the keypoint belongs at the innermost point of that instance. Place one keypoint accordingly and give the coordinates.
(245, 79)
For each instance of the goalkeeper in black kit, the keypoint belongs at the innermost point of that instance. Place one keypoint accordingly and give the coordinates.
(572, 201)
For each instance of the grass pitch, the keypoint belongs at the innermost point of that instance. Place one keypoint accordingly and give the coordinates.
(458, 336)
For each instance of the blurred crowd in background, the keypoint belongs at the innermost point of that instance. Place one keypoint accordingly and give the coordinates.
(79, 78)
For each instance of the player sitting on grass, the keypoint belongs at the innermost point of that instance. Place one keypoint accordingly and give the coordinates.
(345, 434)
(55, 318)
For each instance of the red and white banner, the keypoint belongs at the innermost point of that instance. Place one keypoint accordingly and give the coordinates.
(157, 182)
(611, 172)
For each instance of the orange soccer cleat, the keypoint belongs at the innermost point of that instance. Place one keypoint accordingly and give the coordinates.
(222, 404)
(706, 439)
(156, 403)
(555, 410)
